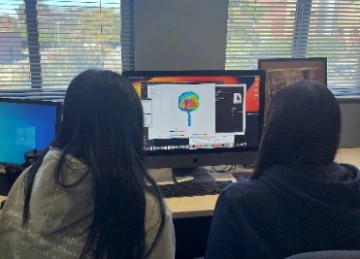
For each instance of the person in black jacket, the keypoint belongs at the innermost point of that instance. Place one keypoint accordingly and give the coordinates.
(299, 200)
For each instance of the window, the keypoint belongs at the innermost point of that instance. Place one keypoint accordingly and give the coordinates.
(297, 28)
(48, 42)
(334, 32)
(75, 36)
(14, 56)
(257, 30)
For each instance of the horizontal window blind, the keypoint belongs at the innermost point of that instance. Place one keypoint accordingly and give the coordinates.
(297, 28)
(78, 35)
(334, 32)
(259, 29)
(14, 56)
(46, 43)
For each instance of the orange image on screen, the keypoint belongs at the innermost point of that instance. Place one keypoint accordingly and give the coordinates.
(252, 95)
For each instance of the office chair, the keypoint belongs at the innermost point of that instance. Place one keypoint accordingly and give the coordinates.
(328, 255)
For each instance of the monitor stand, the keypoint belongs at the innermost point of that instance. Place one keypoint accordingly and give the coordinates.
(194, 174)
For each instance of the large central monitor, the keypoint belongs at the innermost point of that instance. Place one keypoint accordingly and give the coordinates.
(199, 118)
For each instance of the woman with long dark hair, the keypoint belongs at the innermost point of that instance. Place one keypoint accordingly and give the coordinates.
(90, 195)
(299, 199)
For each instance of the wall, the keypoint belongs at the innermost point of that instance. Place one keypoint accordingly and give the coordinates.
(350, 110)
(180, 34)
(191, 34)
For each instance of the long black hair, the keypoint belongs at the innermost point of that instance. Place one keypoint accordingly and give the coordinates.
(302, 128)
(103, 126)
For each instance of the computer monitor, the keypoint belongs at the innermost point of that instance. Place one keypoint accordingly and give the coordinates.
(200, 118)
(26, 125)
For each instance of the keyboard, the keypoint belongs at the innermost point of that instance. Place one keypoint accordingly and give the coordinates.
(189, 189)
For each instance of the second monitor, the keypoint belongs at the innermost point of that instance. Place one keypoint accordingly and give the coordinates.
(26, 125)
(197, 118)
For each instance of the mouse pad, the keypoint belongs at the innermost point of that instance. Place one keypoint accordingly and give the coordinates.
(242, 176)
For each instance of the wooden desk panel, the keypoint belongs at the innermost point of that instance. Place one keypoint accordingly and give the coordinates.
(199, 206)
(349, 156)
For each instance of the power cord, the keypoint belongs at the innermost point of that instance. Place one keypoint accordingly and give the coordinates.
(225, 169)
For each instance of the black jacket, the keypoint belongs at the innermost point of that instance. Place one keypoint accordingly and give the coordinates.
(286, 211)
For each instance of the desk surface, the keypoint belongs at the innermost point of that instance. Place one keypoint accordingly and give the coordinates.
(202, 206)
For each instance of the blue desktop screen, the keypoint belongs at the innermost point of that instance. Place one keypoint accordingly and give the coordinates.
(25, 127)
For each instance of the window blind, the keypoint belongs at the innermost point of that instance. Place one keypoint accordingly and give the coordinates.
(334, 32)
(45, 43)
(297, 28)
(78, 35)
(14, 56)
(259, 29)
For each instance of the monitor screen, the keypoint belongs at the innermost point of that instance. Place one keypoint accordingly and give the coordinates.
(24, 126)
(212, 111)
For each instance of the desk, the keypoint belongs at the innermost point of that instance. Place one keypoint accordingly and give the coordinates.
(198, 206)
(202, 206)
(349, 156)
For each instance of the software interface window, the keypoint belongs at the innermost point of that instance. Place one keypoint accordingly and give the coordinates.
(182, 110)
(200, 114)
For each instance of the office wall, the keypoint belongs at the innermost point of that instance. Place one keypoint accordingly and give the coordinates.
(191, 34)
(180, 34)
(350, 135)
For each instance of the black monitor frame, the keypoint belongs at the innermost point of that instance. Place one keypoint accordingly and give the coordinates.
(203, 157)
(57, 105)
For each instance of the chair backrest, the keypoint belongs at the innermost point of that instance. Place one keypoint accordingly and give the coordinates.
(328, 255)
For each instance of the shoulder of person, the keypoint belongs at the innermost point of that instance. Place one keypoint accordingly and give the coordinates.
(252, 191)
(152, 211)
(350, 168)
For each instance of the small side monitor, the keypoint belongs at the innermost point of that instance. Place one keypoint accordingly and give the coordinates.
(200, 118)
(26, 125)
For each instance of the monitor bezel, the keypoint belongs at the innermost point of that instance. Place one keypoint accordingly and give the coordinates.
(57, 105)
(259, 73)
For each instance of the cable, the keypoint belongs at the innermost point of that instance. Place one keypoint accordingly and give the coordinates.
(225, 169)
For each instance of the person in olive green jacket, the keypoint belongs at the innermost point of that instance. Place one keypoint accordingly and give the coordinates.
(90, 196)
